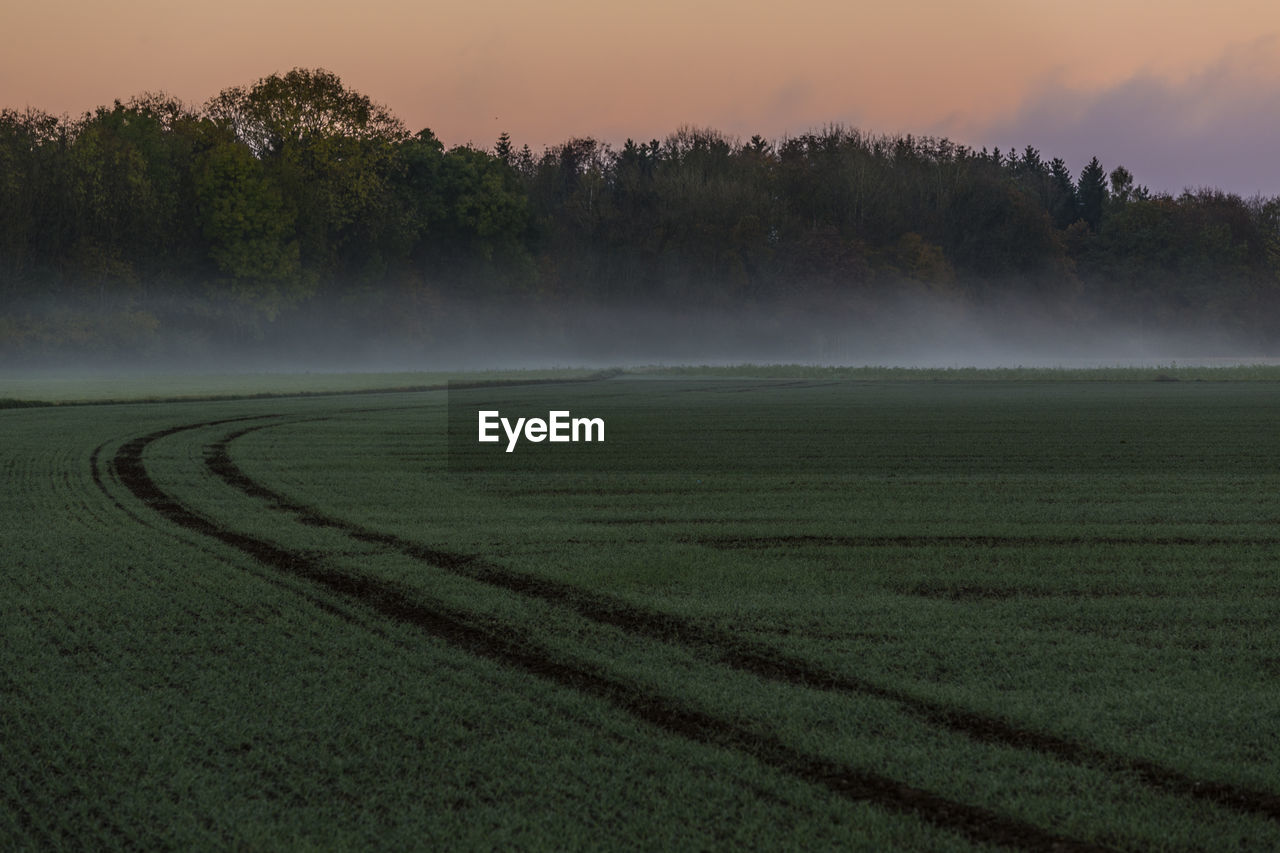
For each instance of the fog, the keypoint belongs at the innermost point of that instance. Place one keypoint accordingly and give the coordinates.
(925, 336)
(916, 330)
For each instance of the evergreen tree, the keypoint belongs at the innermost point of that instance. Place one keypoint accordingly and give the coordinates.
(503, 149)
(1092, 193)
(1064, 205)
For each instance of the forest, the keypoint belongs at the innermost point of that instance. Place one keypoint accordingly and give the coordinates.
(296, 209)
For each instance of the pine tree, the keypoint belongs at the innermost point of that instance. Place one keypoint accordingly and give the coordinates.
(1092, 193)
(503, 149)
(1064, 206)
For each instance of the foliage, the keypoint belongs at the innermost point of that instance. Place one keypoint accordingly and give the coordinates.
(247, 225)
(297, 188)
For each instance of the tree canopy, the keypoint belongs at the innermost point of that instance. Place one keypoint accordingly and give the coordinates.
(150, 214)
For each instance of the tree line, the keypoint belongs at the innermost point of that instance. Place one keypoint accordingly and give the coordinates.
(150, 218)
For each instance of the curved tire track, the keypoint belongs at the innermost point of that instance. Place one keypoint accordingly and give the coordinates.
(499, 643)
(96, 467)
(753, 658)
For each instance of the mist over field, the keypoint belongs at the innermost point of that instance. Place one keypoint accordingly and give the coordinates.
(914, 330)
(911, 333)
(296, 224)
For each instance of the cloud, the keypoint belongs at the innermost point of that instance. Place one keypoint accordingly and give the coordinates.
(1219, 126)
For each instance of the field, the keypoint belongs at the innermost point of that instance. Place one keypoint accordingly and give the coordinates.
(808, 609)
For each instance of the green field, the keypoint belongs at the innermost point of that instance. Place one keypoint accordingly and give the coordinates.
(773, 610)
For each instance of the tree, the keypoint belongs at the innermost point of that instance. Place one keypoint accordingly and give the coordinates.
(997, 230)
(486, 215)
(249, 229)
(417, 185)
(1092, 193)
(1064, 205)
(283, 111)
(503, 149)
(331, 152)
(1123, 189)
(1121, 184)
(128, 184)
(36, 222)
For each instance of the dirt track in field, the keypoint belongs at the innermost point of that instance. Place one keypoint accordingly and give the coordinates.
(499, 643)
(754, 658)
(504, 645)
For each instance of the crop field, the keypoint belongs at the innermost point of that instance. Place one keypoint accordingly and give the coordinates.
(815, 611)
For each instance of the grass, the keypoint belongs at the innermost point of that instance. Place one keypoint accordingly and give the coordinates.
(69, 387)
(52, 386)
(1048, 606)
(1160, 373)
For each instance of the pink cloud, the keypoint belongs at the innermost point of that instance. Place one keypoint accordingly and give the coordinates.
(1218, 127)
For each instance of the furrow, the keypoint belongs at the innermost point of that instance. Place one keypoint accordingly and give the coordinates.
(319, 602)
(500, 644)
(754, 658)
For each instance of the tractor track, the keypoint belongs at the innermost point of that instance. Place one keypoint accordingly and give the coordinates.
(753, 658)
(96, 470)
(499, 643)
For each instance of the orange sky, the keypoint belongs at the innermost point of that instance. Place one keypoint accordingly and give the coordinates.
(980, 71)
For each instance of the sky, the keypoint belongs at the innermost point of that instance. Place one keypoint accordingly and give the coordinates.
(1183, 93)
